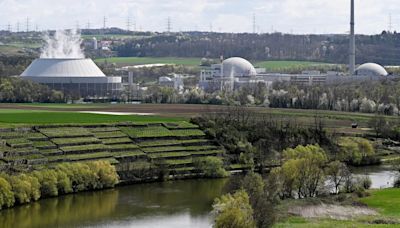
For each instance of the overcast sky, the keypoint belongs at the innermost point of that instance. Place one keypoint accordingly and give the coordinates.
(289, 16)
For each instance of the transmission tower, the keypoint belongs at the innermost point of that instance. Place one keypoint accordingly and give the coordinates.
(169, 24)
(254, 24)
(9, 27)
(18, 26)
(128, 24)
(104, 22)
(390, 23)
(27, 24)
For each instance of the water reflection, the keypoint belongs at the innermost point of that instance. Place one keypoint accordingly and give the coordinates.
(169, 204)
(381, 176)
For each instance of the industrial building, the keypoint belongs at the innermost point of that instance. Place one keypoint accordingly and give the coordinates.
(236, 72)
(75, 77)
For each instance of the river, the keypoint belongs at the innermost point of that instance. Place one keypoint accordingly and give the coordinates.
(169, 204)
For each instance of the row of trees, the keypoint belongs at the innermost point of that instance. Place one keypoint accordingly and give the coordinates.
(63, 179)
(380, 48)
(18, 90)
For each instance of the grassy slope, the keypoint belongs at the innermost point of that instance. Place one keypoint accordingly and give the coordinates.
(385, 201)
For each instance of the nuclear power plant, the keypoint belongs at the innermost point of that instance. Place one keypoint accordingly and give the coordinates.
(62, 67)
(234, 73)
(80, 77)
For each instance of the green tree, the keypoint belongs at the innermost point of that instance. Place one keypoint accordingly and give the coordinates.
(211, 167)
(233, 211)
(302, 170)
(6, 194)
(337, 173)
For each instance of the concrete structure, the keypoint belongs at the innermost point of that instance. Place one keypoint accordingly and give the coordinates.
(371, 69)
(76, 77)
(175, 82)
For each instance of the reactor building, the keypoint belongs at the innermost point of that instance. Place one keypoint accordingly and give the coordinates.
(76, 77)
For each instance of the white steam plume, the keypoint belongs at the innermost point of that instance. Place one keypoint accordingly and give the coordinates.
(64, 44)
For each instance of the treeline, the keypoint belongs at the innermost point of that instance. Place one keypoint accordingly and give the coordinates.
(63, 179)
(14, 90)
(13, 65)
(380, 48)
(382, 96)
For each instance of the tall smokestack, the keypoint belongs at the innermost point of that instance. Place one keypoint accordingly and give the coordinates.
(352, 64)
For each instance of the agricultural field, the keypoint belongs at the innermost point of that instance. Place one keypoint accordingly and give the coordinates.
(174, 144)
(133, 61)
(283, 65)
(20, 114)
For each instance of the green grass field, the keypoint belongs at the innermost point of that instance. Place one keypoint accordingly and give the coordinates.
(386, 201)
(269, 65)
(10, 118)
(282, 65)
(150, 60)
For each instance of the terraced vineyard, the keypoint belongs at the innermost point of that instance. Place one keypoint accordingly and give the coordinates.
(174, 145)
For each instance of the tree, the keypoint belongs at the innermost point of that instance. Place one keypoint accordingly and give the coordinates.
(303, 170)
(336, 173)
(356, 150)
(211, 166)
(6, 194)
(233, 211)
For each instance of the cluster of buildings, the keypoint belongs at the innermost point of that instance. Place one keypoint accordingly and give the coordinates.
(234, 73)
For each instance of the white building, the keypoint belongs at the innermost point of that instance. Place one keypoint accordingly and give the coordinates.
(175, 82)
(234, 73)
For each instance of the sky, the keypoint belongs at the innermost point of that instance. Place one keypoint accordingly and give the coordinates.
(287, 16)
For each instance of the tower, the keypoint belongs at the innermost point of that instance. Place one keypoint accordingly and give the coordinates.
(254, 23)
(352, 62)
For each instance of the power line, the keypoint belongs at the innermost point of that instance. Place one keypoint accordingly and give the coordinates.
(17, 26)
(88, 25)
(390, 23)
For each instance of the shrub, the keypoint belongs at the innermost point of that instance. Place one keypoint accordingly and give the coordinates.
(25, 188)
(48, 182)
(233, 211)
(6, 194)
(106, 173)
(211, 167)
(64, 184)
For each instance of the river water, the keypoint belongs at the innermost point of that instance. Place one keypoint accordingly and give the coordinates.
(156, 205)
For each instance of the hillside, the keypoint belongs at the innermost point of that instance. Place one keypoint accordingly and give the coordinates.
(172, 147)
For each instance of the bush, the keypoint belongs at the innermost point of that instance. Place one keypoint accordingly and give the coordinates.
(6, 194)
(65, 178)
(233, 211)
(211, 167)
(25, 188)
(48, 182)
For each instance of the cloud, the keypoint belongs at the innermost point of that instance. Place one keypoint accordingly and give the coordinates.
(308, 16)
